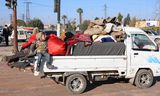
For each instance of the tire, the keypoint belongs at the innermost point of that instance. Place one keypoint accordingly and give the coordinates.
(76, 83)
(144, 79)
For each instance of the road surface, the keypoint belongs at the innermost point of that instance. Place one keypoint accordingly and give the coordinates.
(19, 83)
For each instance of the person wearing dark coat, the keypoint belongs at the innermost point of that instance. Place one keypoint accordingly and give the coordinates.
(6, 33)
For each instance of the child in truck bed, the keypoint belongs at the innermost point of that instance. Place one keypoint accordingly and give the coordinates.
(42, 51)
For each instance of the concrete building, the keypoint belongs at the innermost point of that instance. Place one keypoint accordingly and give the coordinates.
(142, 24)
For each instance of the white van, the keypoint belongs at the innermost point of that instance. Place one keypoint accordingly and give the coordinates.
(23, 35)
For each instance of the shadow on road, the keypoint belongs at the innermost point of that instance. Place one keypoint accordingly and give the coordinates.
(157, 79)
(109, 81)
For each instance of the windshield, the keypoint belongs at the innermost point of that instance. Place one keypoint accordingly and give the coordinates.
(141, 41)
(21, 32)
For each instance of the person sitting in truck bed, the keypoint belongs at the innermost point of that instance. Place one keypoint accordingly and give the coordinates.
(41, 51)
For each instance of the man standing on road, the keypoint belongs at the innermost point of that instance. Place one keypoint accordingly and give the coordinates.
(6, 34)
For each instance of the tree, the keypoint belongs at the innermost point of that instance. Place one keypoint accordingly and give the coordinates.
(133, 22)
(80, 11)
(84, 25)
(127, 20)
(96, 18)
(20, 23)
(64, 17)
(36, 23)
(120, 17)
(69, 27)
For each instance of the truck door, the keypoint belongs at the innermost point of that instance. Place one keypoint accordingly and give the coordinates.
(143, 51)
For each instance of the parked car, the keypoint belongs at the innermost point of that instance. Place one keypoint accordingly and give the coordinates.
(1, 30)
(48, 32)
(1, 38)
(23, 34)
(154, 35)
(28, 33)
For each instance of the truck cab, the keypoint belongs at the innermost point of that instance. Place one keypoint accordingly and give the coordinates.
(142, 52)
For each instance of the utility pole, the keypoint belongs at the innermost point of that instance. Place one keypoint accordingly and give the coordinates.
(105, 11)
(15, 44)
(12, 4)
(27, 11)
(23, 17)
(57, 9)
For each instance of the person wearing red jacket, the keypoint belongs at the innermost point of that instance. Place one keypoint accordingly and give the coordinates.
(31, 39)
(27, 49)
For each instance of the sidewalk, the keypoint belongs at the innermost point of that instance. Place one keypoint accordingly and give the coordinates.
(5, 51)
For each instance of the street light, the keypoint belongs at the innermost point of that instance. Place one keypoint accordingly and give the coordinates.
(8, 3)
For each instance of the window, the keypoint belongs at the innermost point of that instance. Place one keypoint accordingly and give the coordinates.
(142, 42)
(21, 32)
(29, 32)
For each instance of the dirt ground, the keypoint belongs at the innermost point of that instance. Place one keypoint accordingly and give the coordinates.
(19, 83)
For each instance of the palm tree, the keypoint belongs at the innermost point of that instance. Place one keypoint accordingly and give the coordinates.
(64, 17)
(80, 11)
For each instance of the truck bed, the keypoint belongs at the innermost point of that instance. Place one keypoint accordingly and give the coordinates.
(97, 57)
(87, 63)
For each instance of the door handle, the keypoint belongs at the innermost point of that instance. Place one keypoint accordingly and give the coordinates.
(135, 53)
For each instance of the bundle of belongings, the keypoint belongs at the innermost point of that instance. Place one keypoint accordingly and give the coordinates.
(105, 28)
(103, 37)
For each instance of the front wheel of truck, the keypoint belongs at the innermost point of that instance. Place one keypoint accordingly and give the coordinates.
(144, 79)
(76, 83)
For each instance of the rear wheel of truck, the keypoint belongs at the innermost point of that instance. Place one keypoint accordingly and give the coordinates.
(144, 79)
(76, 83)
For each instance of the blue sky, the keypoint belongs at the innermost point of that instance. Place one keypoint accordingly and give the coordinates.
(43, 9)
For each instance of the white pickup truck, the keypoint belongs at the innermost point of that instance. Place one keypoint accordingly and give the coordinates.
(140, 63)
